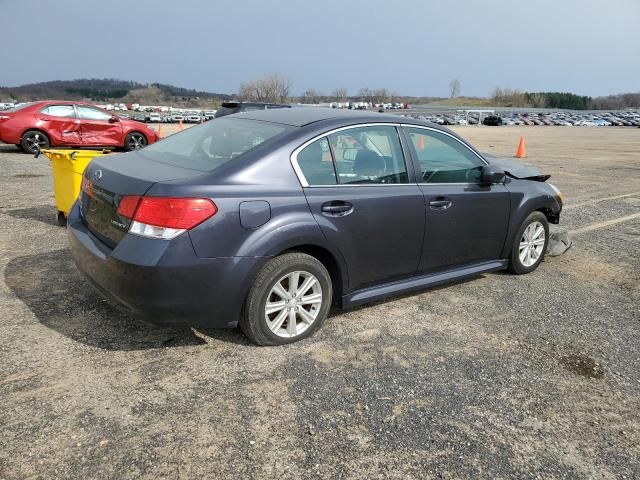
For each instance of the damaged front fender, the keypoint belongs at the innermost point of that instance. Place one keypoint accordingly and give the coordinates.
(517, 170)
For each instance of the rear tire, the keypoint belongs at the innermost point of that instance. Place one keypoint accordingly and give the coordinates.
(278, 311)
(33, 141)
(135, 141)
(529, 244)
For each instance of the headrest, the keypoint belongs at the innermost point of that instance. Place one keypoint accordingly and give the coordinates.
(368, 164)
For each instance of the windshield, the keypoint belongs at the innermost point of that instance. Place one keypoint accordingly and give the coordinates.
(211, 145)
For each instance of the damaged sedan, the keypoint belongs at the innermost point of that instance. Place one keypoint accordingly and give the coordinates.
(268, 219)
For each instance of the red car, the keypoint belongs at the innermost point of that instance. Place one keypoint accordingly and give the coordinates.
(51, 123)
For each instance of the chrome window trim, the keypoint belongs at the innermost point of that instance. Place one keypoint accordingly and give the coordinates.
(303, 180)
(470, 184)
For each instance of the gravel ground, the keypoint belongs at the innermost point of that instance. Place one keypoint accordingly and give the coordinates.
(502, 376)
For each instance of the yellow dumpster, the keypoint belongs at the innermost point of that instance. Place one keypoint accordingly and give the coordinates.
(68, 167)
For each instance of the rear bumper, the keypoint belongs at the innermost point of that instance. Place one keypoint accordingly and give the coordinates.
(164, 282)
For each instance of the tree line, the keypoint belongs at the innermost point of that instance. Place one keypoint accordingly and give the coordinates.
(277, 88)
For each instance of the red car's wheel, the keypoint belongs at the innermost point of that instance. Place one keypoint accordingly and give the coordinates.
(134, 141)
(34, 140)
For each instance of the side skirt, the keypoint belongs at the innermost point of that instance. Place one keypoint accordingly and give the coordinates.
(378, 292)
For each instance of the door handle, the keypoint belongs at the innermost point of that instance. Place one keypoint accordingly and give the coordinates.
(337, 208)
(440, 204)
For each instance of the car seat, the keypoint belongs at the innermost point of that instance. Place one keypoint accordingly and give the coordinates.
(369, 164)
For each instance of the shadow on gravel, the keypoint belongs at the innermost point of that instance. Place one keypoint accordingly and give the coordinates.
(8, 148)
(40, 213)
(52, 288)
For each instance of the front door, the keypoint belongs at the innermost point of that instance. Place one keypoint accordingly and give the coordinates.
(466, 221)
(99, 128)
(359, 191)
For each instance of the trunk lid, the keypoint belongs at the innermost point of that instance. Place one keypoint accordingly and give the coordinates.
(110, 177)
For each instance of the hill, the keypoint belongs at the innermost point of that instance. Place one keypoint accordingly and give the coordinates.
(108, 90)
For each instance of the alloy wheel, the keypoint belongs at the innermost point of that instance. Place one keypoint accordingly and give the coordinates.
(35, 142)
(293, 304)
(531, 244)
(136, 141)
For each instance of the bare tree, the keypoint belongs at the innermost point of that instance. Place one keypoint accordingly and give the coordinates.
(454, 88)
(509, 97)
(310, 95)
(340, 94)
(380, 95)
(271, 88)
(365, 94)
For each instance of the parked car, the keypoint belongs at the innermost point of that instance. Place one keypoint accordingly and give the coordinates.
(155, 117)
(139, 117)
(268, 219)
(209, 115)
(193, 118)
(228, 108)
(50, 123)
(176, 117)
(492, 120)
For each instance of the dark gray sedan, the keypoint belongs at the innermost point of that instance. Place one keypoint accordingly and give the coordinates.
(267, 219)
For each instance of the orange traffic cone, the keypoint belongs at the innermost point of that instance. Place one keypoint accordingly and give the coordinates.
(420, 142)
(180, 125)
(160, 131)
(520, 153)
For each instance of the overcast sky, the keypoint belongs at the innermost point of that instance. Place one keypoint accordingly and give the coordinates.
(413, 47)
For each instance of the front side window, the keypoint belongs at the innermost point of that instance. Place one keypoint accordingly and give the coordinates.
(368, 155)
(316, 163)
(89, 113)
(444, 159)
(65, 111)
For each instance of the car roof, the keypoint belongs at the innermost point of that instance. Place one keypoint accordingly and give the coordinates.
(301, 116)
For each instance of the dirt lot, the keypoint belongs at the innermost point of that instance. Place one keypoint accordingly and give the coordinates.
(536, 376)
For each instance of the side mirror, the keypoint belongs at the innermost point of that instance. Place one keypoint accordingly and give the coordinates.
(114, 119)
(492, 174)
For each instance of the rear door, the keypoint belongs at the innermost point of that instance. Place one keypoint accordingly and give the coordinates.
(466, 221)
(366, 203)
(99, 128)
(61, 124)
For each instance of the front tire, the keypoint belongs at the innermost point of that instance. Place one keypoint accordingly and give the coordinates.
(288, 301)
(135, 141)
(33, 141)
(529, 244)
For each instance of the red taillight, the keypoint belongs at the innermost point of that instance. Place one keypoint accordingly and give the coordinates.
(176, 213)
(127, 206)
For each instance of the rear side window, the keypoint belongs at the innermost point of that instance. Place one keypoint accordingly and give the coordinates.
(368, 155)
(360, 155)
(212, 144)
(316, 164)
(65, 111)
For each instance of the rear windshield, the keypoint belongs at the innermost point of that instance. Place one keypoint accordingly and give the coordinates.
(224, 110)
(19, 107)
(212, 144)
